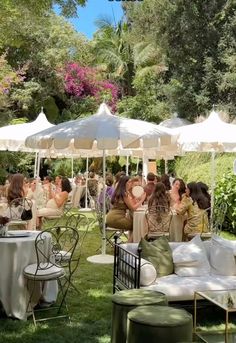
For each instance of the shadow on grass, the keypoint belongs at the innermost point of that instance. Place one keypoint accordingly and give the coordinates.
(90, 310)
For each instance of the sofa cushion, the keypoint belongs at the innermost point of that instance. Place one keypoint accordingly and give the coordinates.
(190, 258)
(222, 259)
(159, 254)
(148, 272)
(225, 242)
(178, 288)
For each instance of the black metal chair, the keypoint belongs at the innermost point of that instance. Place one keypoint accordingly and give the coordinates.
(55, 261)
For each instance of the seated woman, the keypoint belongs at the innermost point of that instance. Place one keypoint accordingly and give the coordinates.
(56, 202)
(109, 190)
(118, 216)
(35, 192)
(194, 205)
(17, 202)
(17, 188)
(158, 214)
(204, 188)
(177, 191)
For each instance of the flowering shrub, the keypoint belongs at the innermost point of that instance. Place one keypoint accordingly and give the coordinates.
(83, 82)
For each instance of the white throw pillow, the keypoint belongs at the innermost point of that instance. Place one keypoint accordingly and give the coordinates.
(225, 242)
(190, 258)
(148, 273)
(222, 259)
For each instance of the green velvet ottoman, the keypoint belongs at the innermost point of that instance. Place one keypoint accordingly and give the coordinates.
(125, 301)
(160, 324)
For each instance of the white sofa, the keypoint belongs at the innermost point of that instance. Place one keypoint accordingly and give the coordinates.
(198, 266)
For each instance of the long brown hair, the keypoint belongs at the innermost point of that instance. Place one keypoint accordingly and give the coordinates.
(120, 191)
(159, 196)
(15, 189)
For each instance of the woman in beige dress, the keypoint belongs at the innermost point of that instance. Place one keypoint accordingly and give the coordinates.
(56, 202)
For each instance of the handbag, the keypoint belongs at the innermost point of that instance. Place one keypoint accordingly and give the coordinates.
(26, 214)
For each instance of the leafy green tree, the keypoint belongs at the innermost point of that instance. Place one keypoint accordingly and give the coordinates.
(114, 54)
(196, 41)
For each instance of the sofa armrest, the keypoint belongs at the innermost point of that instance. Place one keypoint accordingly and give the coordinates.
(126, 274)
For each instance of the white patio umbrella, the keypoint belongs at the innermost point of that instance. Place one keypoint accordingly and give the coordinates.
(102, 132)
(172, 123)
(212, 135)
(12, 137)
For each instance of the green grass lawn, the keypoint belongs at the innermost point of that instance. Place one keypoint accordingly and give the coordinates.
(90, 310)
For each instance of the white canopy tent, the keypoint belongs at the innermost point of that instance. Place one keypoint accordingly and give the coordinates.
(101, 133)
(12, 137)
(212, 135)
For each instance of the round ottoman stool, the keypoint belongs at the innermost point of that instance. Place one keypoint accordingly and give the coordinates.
(159, 324)
(125, 301)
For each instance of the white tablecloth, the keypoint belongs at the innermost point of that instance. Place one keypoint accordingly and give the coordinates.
(15, 254)
(140, 227)
(77, 193)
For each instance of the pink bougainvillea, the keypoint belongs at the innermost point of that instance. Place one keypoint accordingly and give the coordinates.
(82, 82)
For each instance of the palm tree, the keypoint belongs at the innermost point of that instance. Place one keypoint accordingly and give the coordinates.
(114, 53)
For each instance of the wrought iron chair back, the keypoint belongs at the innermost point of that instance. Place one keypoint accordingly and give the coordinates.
(55, 251)
(218, 217)
(159, 221)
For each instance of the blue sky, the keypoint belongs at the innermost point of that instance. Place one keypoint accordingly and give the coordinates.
(92, 11)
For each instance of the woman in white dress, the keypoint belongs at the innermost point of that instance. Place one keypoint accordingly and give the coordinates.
(56, 202)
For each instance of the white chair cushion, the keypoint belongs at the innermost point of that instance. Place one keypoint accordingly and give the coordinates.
(190, 259)
(48, 271)
(222, 259)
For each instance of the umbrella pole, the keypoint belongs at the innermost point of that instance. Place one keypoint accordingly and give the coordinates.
(127, 165)
(38, 165)
(35, 164)
(137, 166)
(212, 186)
(145, 166)
(103, 258)
(86, 184)
(104, 204)
(72, 168)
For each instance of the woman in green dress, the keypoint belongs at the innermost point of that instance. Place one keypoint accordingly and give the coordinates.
(122, 202)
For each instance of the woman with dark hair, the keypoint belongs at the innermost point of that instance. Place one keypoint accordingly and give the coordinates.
(16, 188)
(56, 202)
(158, 214)
(121, 201)
(194, 205)
(177, 191)
(204, 188)
(166, 181)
